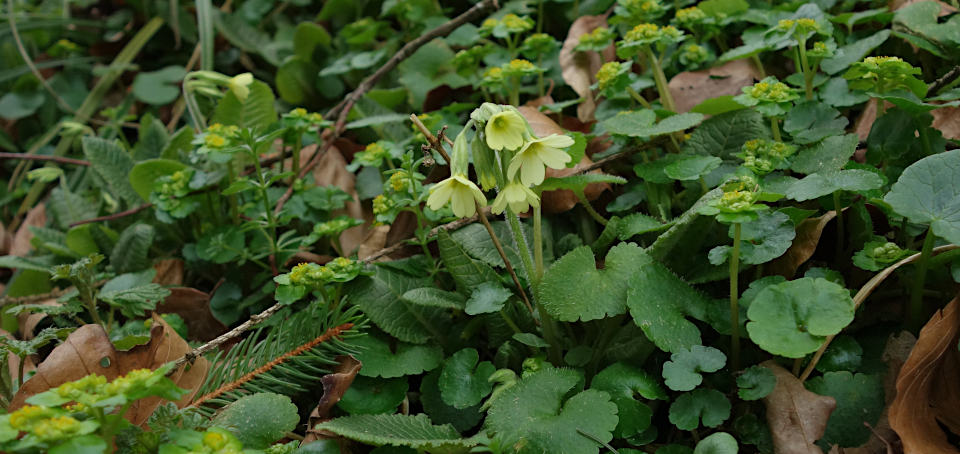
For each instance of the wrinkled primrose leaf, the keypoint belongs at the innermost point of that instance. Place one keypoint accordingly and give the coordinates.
(793, 318)
(682, 372)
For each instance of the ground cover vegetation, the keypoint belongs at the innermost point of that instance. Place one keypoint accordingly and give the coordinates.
(515, 226)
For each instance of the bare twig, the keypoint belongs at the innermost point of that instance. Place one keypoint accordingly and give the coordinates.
(342, 109)
(35, 157)
(221, 339)
(945, 80)
(114, 216)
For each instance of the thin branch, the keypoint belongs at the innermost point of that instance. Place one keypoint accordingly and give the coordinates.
(945, 80)
(26, 58)
(221, 339)
(35, 157)
(342, 109)
(114, 216)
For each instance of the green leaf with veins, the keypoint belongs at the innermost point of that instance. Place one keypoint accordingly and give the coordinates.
(571, 285)
(860, 400)
(723, 135)
(532, 416)
(434, 297)
(692, 167)
(486, 298)
(638, 224)
(810, 121)
(682, 372)
(763, 239)
(755, 383)
(467, 272)
(415, 431)
(258, 420)
(793, 318)
(660, 303)
(438, 410)
(379, 360)
(717, 443)
(928, 192)
(708, 407)
(831, 154)
(464, 379)
(136, 301)
(825, 183)
(379, 297)
(623, 383)
(853, 52)
(374, 395)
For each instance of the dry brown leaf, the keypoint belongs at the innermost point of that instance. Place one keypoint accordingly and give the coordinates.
(944, 7)
(332, 171)
(803, 247)
(559, 201)
(334, 385)
(690, 88)
(580, 68)
(947, 120)
(36, 217)
(5, 240)
(88, 351)
(28, 321)
(376, 240)
(923, 386)
(796, 417)
(169, 272)
(194, 307)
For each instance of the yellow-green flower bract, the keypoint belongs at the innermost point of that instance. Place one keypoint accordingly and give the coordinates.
(460, 192)
(516, 195)
(240, 85)
(505, 130)
(536, 154)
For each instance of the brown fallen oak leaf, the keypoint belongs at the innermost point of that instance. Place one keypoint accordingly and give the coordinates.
(947, 121)
(88, 350)
(36, 217)
(193, 306)
(579, 69)
(803, 247)
(169, 272)
(690, 88)
(561, 200)
(797, 417)
(334, 385)
(926, 392)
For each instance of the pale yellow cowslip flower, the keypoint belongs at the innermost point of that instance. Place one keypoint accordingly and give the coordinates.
(505, 130)
(240, 85)
(536, 154)
(518, 196)
(460, 192)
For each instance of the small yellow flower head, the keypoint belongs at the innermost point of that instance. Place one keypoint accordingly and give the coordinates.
(596, 40)
(771, 90)
(505, 130)
(489, 23)
(537, 154)
(803, 26)
(214, 440)
(608, 74)
(493, 76)
(299, 112)
(519, 68)
(516, 24)
(517, 196)
(299, 273)
(460, 192)
(212, 140)
(89, 385)
(538, 44)
(24, 418)
(381, 204)
(693, 54)
(764, 156)
(643, 33)
(399, 181)
(240, 85)
(133, 379)
(690, 16)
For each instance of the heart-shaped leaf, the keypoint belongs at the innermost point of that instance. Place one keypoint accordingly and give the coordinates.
(159, 87)
(682, 372)
(464, 382)
(755, 383)
(928, 192)
(623, 381)
(707, 406)
(793, 318)
(811, 121)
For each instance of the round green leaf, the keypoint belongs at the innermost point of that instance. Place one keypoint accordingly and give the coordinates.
(159, 87)
(844, 353)
(860, 399)
(755, 383)
(463, 382)
(682, 372)
(144, 173)
(441, 413)
(692, 167)
(15, 106)
(374, 395)
(258, 420)
(707, 406)
(717, 443)
(622, 382)
(379, 360)
(793, 318)
(928, 192)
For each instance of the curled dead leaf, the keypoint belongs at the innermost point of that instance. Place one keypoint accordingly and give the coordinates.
(331, 170)
(169, 272)
(194, 307)
(797, 417)
(580, 68)
(36, 217)
(334, 385)
(376, 240)
(88, 350)
(927, 387)
(947, 120)
(803, 247)
(690, 88)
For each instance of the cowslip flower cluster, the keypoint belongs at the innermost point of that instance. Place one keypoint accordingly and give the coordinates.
(764, 156)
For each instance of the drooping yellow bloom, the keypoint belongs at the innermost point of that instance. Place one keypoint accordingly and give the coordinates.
(460, 192)
(518, 196)
(505, 130)
(536, 154)
(240, 85)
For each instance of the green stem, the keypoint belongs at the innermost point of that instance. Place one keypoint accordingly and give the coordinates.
(775, 128)
(537, 244)
(805, 67)
(916, 294)
(592, 212)
(515, 92)
(638, 97)
(759, 65)
(661, 80)
(266, 204)
(840, 229)
(734, 303)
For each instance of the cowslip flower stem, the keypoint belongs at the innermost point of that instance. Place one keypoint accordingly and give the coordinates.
(734, 300)
(661, 80)
(775, 128)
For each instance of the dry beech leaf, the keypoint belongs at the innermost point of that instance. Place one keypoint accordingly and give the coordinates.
(169, 272)
(796, 417)
(690, 88)
(194, 307)
(28, 321)
(376, 240)
(332, 171)
(580, 68)
(36, 217)
(334, 385)
(88, 351)
(924, 387)
(561, 200)
(803, 247)
(944, 7)
(947, 120)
